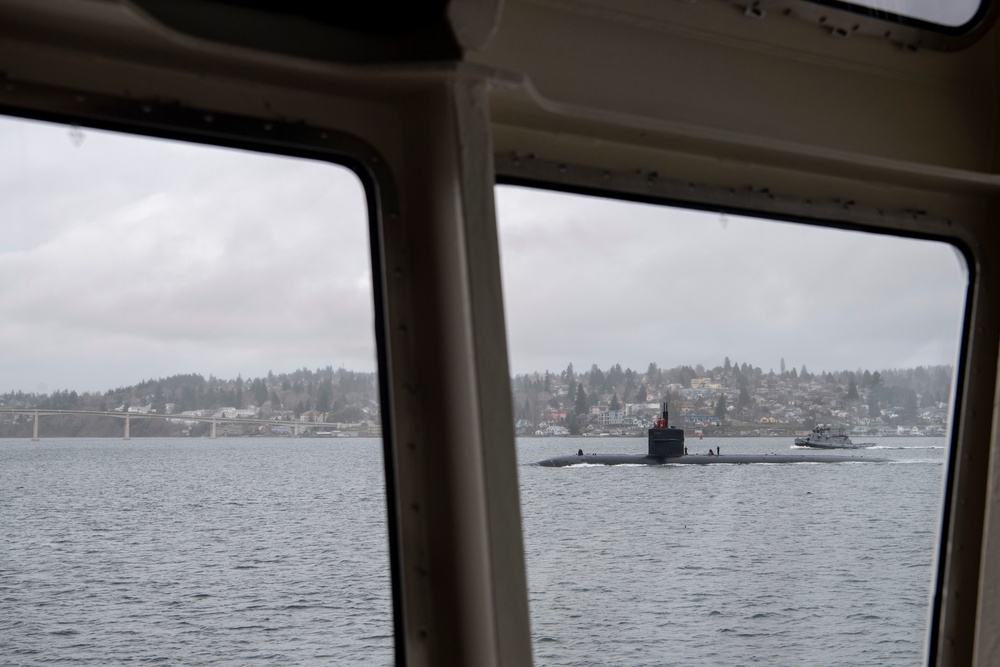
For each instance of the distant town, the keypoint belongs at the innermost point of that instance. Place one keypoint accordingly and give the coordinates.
(733, 399)
(728, 400)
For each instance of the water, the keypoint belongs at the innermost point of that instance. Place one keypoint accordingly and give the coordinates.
(769, 564)
(193, 552)
(253, 551)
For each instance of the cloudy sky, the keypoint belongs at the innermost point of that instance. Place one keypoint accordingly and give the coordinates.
(124, 259)
(599, 281)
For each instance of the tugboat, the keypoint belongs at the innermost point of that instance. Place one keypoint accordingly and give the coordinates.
(665, 444)
(822, 437)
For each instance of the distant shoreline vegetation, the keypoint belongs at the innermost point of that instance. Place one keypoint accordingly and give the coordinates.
(729, 399)
(733, 399)
(325, 395)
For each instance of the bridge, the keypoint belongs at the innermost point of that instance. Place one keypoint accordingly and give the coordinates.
(297, 427)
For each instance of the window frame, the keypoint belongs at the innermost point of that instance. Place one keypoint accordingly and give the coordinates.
(531, 172)
(843, 19)
(893, 17)
(287, 139)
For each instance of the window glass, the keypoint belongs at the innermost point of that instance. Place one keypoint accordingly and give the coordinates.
(188, 333)
(767, 340)
(952, 14)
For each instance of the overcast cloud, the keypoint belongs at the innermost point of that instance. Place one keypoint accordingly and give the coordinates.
(124, 259)
(597, 281)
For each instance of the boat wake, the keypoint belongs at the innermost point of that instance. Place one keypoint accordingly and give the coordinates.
(916, 447)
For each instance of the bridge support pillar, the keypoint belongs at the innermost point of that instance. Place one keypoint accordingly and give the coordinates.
(213, 429)
(34, 434)
(127, 420)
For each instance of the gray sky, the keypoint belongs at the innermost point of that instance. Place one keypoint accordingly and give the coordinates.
(597, 281)
(124, 259)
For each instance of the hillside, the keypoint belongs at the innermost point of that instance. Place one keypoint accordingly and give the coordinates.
(728, 399)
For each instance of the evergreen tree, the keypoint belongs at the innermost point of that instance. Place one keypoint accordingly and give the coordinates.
(909, 410)
(852, 390)
(581, 407)
(720, 407)
(259, 392)
(615, 405)
(744, 399)
(629, 384)
(572, 423)
(597, 380)
(615, 376)
(324, 395)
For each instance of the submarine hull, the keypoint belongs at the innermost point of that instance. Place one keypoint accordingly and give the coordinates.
(665, 446)
(699, 459)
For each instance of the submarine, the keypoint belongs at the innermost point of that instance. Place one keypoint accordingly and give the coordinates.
(666, 446)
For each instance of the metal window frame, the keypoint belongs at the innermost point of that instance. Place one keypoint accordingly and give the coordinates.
(155, 119)
(842, 20)
(965, 481)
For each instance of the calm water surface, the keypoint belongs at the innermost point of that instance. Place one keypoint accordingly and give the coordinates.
(767, 564)
(273, 552)
(194, 552)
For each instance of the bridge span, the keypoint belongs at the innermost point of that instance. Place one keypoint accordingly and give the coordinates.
(298, 428)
